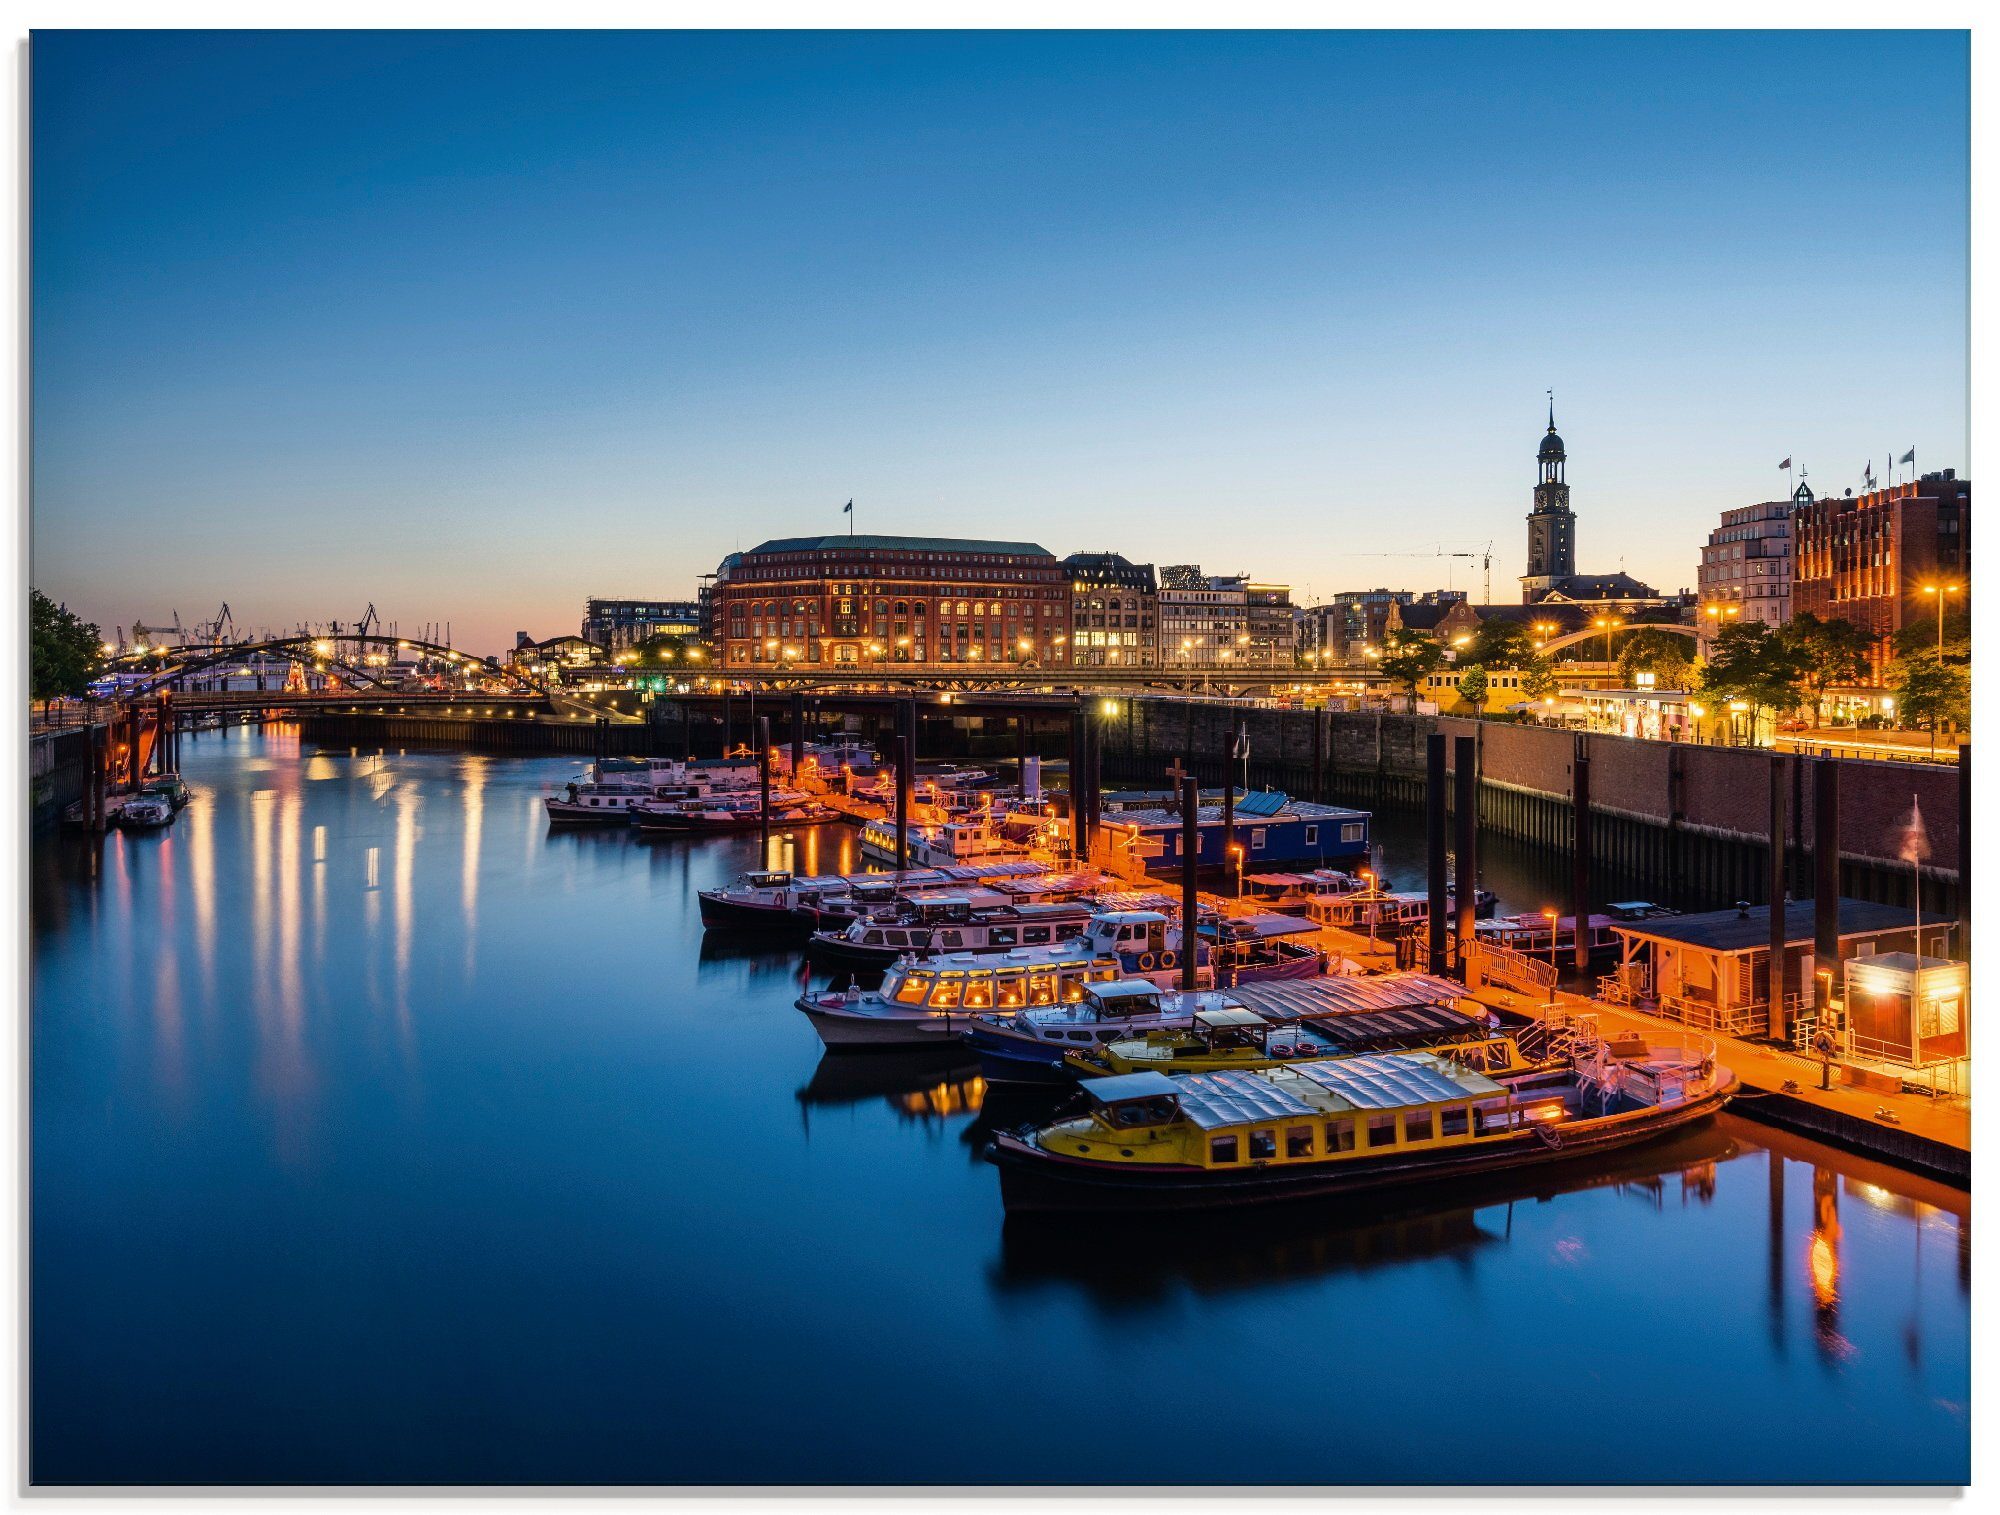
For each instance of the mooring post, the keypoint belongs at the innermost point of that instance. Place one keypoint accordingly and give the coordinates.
(798, 733)
(1826, 882)
(1582, 842)
(1190, 855)
(1774, 1018)
(1465, 888)
(1435, 836)
(1232, 866)
(100, 744)
(728, 722)
(1021, 745)
(764, 788)
(902, 800)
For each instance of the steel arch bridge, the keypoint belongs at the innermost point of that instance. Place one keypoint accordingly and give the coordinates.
(319, 653)
(1575, 638)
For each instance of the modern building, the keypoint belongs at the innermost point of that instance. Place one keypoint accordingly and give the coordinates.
(1353, 620)
(616, 625)
(1272, 622)
(1867, 558)
(1114, 610)
(1746, 568)
(853, 601)
(1204, 621)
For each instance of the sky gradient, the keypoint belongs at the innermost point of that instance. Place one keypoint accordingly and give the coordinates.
(474, 325)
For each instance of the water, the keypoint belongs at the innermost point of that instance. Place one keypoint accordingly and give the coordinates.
(382, 1135)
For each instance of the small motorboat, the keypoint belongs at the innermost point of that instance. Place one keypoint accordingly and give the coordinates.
(144, 812)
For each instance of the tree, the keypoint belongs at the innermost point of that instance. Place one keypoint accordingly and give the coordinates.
(1752, 663)
(663, 650)
(1472, 689)
(1499, 643)
(1829, 652)
(1660, 653)
(1919, 639)
(1538, 678)
(65, 651)
(1410, 657)
(1933, 693)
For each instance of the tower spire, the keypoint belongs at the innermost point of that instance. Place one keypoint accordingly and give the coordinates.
(1552, 410)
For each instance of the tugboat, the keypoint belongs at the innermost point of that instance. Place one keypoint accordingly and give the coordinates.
(1148, 1142)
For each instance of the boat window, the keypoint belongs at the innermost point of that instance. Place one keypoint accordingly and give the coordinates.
(1034, 936)
(1001, 936)
(1417, 1126)
(946, 995)
(1353, 831)
(952, 938)
(979, 994)
(1382, 1130)
(1312, 835)
(1256, 838)
(1340, 1136)
(1009, 985)
(1108, 1036)
(1222, 1149)
(1451, 1121)
(873, 939)
(1298, 1141)
(1079, 1036)
(911, 990)
(1263, 1144)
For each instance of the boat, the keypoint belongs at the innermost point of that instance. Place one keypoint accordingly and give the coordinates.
(1032, 1044)
(926, 1003)
(593, 804)
(716, 817)
(1236, 1037)
(1535, 935)
(1294, 893)
(779, 901)
(941, 844)
(1146, 1141)
(144, 812)
(1387, 914)
(976, 920)
(1252, 948)
(170, 787)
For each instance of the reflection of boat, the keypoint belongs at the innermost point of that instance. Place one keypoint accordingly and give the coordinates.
(1379, 1121)
(839, 1081)
(1136, 1259)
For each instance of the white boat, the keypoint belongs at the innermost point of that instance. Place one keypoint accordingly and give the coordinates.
(940, 844)
(595, 804)
(1029, 1046)
(926, 1003)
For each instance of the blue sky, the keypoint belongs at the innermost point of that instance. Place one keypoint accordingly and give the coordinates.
(473, 325)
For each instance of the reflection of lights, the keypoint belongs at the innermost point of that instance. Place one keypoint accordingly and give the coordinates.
(1825, 1266)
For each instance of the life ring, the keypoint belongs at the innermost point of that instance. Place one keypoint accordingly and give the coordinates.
(1166, 959)
(1145, 962)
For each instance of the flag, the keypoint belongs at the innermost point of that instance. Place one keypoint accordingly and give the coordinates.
(1908, 457)
(1786, 464)
(1868, 473)
(1241, 752)
(847, 509)
(1914, 845)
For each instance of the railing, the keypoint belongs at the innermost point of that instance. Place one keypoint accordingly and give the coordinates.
(1706, 1015)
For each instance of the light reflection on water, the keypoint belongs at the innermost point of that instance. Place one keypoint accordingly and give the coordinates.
(382, 1134)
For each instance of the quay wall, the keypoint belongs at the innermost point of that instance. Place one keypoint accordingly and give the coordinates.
(58, 769)
(1691, 820)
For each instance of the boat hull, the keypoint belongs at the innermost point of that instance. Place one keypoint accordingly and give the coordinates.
(1033, 1180)
(841, 1032)
(720, 914)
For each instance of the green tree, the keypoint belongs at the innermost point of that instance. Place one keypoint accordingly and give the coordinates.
(1661, 653)
(1828, 653)
(1932, 694)
(1472, 689)
(1752, 663)
(1499, 643)
(664, 651)
(1919, 639)
(1538, 677)
(64, 652)
(1410, 657)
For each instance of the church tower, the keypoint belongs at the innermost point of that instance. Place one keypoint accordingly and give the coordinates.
(1551, 526)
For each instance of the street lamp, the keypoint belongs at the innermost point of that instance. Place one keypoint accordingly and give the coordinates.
(1941, 591)
(1368, 887)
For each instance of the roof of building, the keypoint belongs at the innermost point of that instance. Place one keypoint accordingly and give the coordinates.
(1741, 931)
(1421, 617)
(1111, 566)
(843, 542)
(1603, 586)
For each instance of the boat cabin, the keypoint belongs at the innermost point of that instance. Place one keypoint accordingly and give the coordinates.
(1902, 1008)
(965, 981)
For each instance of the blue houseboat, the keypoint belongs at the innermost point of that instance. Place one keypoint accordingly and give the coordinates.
(1273, 829)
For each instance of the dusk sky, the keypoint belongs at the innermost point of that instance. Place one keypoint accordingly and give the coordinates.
(472, 326)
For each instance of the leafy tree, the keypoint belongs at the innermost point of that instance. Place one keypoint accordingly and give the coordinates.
(1829, 652)
(659, 650)
(1919, 639)
(1660, 653)
(1410, 657)
(1538, 678)
(1472, 689)
(1499, 643)
(64, 651)
(1932, 694)
(1752, 663)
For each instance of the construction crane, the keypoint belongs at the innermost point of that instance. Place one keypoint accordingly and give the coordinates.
(1485, 559)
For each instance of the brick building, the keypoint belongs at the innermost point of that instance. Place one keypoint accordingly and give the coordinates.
(853, 601)
(1114, 610)
(1866, 558)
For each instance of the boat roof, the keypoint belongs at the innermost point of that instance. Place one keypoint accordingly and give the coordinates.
(1229, 1015)
(1129, 917)
(1391, 1080)
(1344, 994)
(1124, 1086)
(1211, 815)
(1411, 1021)
(1125, 988)
(1231, 1097)
(1265, 926)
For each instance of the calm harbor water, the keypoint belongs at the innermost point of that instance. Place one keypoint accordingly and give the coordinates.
(381, 1134)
